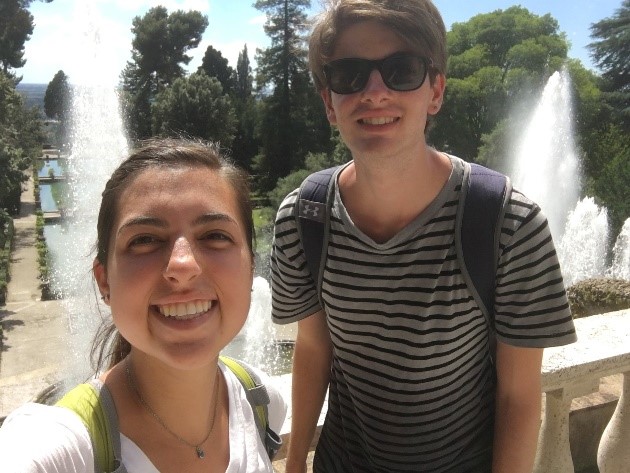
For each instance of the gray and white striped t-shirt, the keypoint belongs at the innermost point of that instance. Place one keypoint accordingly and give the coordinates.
(412, 388)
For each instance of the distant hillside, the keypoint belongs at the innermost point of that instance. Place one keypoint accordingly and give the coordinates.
(33, 94)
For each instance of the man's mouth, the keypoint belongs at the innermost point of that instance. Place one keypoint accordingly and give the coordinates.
(378, 120)
(185, 310)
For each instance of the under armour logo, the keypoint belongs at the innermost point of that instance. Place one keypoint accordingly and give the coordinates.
(312, 210)
(308, 208)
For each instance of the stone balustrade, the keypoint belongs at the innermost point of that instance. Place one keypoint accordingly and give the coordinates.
(602, 349)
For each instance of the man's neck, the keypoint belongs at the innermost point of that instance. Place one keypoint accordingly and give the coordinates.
(383, 198)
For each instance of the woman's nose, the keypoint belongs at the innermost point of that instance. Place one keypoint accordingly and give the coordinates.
(182, 265)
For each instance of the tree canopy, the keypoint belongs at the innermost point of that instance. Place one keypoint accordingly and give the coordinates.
(197, 106)
(57, 98)
(291, 120)
(495, 59)
(159, 49)
(611, 52)
(215, 65)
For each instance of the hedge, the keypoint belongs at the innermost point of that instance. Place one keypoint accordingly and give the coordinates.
(7, 230)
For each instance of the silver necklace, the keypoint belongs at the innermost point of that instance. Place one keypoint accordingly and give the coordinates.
(198, 450)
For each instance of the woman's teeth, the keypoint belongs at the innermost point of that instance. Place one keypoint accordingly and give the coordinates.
(185, 309)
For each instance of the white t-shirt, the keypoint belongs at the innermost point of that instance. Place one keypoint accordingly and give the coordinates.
(48, 439)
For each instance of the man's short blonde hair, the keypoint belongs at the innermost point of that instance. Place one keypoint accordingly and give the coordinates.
(418, 22)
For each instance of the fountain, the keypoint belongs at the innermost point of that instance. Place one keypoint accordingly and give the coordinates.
(620, 268)
(547, 170)
(546, 167)
(98, 146)
(586, 228)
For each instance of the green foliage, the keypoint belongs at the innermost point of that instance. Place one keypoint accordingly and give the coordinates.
(291, 119)
(159, 49)
(215, 65)
(244, 78)
(57, 105)
(57, 98)
(314, 162)
(43, 257)
(20, 141)
(195, 106)
(496, 59)
(16, 27)
(611, 185)
(611, 51)
(598, 296)
(6, 240)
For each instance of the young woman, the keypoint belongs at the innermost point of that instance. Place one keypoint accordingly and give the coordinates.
(175, 265)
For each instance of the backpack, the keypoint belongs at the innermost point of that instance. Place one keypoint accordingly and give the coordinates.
(93, 403)
(482, 204)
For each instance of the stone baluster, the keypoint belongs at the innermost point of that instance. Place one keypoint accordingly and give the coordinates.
(554, 449)
(613, 455)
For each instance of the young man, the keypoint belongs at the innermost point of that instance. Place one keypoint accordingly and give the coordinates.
(400, 342)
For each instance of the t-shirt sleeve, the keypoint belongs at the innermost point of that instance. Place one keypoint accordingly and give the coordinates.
(531, 306)
(45, 439)
(294, 295)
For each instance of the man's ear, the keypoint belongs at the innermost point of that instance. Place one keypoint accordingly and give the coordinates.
(325, 94)
(100, 275)
(437, 88)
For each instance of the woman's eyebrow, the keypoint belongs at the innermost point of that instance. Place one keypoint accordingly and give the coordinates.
(213, 217)
(160, 223)
(143, 220)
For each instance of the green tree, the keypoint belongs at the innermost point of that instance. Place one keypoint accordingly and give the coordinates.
(159, 52)
(57, 98)
(496, 60)
(244, 79)
(313, 162)
(291, 124)
(215, 65)
(195, 106)
(16, 27)
(20, 140)
(57, 105)
(611, 52)
(245, 145)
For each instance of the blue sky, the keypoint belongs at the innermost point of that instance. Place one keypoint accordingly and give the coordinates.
(66, 31)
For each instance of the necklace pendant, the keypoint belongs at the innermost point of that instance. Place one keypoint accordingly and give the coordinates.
(200, 452)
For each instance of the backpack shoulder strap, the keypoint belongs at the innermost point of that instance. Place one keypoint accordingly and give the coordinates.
(312, 212)
(94, 405)
(258, 398)
(483, 201)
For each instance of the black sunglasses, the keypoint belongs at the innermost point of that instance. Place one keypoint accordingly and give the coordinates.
(400, 72)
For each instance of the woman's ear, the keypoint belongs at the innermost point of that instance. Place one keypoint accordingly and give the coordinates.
(100, 275)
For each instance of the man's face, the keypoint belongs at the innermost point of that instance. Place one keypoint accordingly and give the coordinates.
(378, 121)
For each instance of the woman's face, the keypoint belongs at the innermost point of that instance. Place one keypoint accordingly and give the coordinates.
(179, 271)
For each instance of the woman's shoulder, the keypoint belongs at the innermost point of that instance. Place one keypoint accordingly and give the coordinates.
(47, 438)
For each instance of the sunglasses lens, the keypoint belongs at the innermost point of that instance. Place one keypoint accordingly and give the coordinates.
(347, 76)
(401, 73)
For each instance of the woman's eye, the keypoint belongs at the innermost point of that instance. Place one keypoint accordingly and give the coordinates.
(216, 236)
(143, 240)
